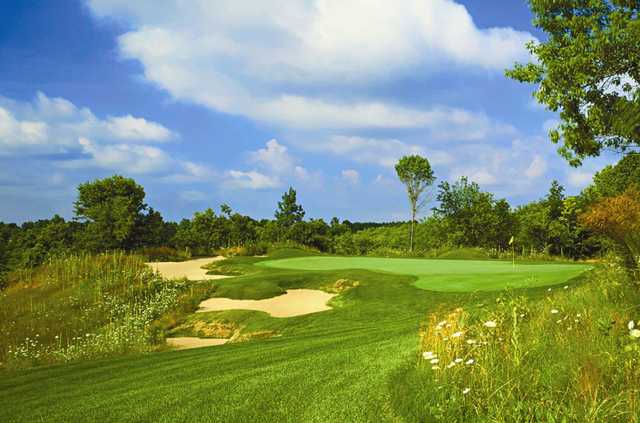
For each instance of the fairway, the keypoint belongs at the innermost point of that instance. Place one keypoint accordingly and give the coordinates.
(445, 275)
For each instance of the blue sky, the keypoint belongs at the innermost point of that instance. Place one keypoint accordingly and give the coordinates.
(233, 103)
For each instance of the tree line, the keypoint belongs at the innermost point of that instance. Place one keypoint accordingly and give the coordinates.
(111, 214)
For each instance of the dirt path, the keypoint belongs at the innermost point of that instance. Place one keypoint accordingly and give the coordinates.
(191, 269)
(295, 302)
(186, 342)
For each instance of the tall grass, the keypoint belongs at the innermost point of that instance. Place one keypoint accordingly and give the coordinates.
(571, 354)
(82, 306)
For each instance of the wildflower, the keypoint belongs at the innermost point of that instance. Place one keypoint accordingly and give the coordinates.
(579, 315)
(456, 335)
(559, 321)
(435, 367)
(442, 323)
(635, 333)
(458, 360)
(470, 361)
(434, 361)
(549, 290)
(492, 324)
(631, 325)
(566, 287)
(465, 391)
(428, 355)
(450, 365)
(471, 341)
(554, 311)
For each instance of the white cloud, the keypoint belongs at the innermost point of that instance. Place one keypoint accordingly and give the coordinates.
(351, 176)
(275, 166)
(550, 124)
(382, 152)
(257, 59)
(274, 157)
(132, 128)
(15, 133)
(579, 178)
(537, 168)
(130, 159)
(53, 125)
(251, 180)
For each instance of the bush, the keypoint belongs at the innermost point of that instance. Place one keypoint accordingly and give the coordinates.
(465, 254)
(153, 254)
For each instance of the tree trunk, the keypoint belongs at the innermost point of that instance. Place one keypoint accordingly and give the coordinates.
(413, 219)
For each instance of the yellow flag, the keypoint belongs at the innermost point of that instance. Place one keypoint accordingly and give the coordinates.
(511, 240)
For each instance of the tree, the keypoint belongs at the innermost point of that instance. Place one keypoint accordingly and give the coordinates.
(113, 207)
(416, 174)
(618, 218)
(588, 69)
(473, 217)
(289, 212)
(616, 179)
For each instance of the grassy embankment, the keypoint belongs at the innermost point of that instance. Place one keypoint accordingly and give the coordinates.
(362, 360)
(81, 307)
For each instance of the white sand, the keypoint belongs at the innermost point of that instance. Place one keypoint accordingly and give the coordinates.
(295, 302)
(190, 269)
(186, 342)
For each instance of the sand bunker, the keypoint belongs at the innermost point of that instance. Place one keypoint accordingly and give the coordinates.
(186, 342)
(295, 302)
(190, 269)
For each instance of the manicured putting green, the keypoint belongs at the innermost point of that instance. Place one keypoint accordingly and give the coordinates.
(445, 275)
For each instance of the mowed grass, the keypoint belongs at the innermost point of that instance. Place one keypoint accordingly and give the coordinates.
(338, 365)
(446, 275)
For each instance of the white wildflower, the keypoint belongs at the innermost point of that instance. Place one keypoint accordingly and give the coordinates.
(554, 311)
(458, 360)
(450, 365)
(434, 361)
(428, 355)
(465, 391)
(635, 333)
(492, 324)
(435, 367)
(631, 325)
(566, 287)
(470, 361)
(471, 341)
(456, 335)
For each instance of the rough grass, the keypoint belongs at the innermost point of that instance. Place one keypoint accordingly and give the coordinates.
(83, 306)
(568, 355)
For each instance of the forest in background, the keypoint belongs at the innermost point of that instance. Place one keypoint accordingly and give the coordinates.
(111, 215)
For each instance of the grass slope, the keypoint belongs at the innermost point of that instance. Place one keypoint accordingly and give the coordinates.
(336, 365)
(445, 275)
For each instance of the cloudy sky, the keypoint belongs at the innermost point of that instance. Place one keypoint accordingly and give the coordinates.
(211, 101)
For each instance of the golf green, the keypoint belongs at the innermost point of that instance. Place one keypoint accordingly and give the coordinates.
(445, 275)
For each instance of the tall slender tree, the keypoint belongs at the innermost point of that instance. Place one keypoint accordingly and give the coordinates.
(416, 174)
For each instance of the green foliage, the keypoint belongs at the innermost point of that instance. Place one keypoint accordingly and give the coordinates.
(587, 68)
(417, 176)
(465, 254)
(473, 217)
(114, 208)
(615, 179)
(289, 212)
